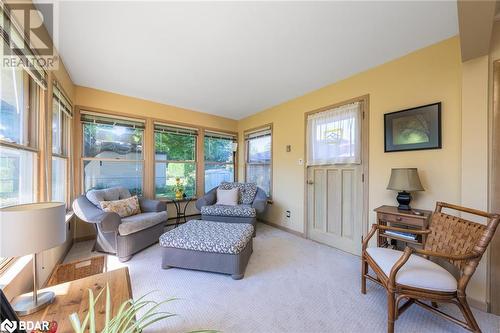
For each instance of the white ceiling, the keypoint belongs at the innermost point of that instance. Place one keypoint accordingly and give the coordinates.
(236, 58)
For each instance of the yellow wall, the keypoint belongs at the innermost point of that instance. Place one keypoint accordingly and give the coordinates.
(475, 153)
(88, 97)
(429, 75)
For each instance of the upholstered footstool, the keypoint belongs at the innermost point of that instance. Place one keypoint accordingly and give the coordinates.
(208, 246)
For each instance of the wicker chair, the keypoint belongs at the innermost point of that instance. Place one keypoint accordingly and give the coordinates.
(416, 279)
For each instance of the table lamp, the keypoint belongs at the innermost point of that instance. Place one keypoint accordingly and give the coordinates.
(404, 180)
(29, 229)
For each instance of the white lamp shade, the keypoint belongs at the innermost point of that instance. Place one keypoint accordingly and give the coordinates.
(31, 228)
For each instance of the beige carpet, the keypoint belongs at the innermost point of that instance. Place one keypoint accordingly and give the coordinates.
(291, 285)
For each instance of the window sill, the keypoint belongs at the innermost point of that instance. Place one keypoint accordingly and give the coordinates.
(169, 201)
(69, 215)
(13, 270)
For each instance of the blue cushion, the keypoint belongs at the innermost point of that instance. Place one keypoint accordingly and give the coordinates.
(223, 210)
(209, 236)
(247, 191)
(108, 194)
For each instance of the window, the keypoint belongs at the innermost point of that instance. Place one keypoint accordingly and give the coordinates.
(20, 99)
(175, 158)
(258, 158)
(334, 136)
(61, 115)
(219, 158)
(112, 152)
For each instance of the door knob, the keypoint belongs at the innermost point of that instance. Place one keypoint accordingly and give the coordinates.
(310, 182)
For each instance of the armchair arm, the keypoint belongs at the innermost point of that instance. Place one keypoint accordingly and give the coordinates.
(376, 227)
(87, 212)
(260, 201)
(208, 199)
(148, 205)
(397, 266)
(365, 240)
(460, 257)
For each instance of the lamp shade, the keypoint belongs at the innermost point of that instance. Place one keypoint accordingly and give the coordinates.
(405, 179)
(31, 228)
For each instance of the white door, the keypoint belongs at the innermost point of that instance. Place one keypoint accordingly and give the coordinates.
(335, 206)
(335, 178)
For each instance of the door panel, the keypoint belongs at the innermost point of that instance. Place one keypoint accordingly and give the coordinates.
(319, 203)
(335, 206)
(348, 203)
(333, 197)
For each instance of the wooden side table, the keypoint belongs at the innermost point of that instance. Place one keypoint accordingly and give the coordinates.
(73, 297)
(416, 219)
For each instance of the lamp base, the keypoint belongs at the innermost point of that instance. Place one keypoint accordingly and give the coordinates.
(25, 305)
(404, 199)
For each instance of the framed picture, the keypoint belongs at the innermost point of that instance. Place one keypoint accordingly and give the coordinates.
(413, 129)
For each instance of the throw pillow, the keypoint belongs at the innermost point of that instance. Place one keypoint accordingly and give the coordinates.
(124, 207)
(227, 197)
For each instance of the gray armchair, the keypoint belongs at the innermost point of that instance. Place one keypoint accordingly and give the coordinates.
(121, 236)
(251, 204)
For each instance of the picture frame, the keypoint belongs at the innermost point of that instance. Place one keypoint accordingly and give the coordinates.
(418, 128)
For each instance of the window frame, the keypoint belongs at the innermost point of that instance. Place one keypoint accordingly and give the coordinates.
(65, 140)
(234, 140)
(246, 138)
(5, 262)
(33, 101)
(167, 161)
(116, 119)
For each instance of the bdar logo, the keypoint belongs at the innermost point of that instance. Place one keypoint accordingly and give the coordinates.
(8, 326)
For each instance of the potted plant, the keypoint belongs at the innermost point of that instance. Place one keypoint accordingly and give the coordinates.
(125, 320)
(178, 188)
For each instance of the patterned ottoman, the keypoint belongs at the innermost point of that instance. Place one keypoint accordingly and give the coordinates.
(208, 246)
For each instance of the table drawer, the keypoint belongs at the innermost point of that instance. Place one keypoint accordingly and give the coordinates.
(418, 222)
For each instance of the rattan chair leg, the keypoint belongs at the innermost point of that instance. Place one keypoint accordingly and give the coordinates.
(468, 315)
(364, 271)
(391, 311)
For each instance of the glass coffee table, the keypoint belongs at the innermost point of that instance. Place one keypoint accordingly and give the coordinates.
(180, 211)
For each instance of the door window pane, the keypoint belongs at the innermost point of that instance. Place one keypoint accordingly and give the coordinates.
(17, 176)
(166, 175)
(334, 136)
(112, 141)
(59, 179)
(105, 174)
(216, 174)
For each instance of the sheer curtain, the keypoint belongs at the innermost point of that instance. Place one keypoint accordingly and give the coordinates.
(334, 136)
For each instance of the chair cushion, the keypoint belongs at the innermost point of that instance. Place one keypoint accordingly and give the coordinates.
(225, 210)
(247, 191)
(124, 207)
(140, 222)
(209, 236)
(418, 272)
(227, 197)
(108, 194)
